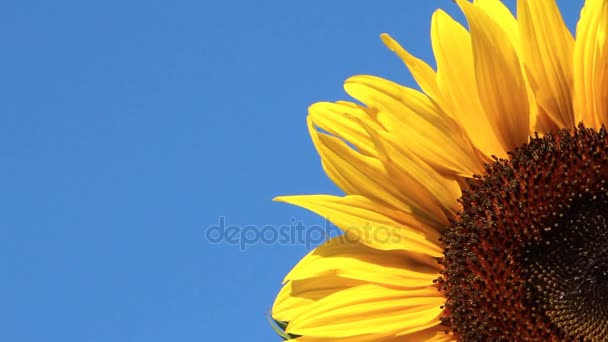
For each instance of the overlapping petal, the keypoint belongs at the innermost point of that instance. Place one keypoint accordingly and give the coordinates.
(506, 99)
(424, 75)
(457, 81)
(344, 283)
(411, 119)
(371, 223)
(369, 309)
(591, 63)
(382, 174)
(546, 48)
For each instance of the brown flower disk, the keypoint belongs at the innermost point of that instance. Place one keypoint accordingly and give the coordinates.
(527, 259)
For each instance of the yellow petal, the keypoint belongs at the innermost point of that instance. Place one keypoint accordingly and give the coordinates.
(296, 295)
(431, 334)
(591, 64)
(364, 220)
(547, 48)
(502, 16)
(370, 309)
(500, 83)
(355, 173)
(415, 121)
(456, 80)
(382, 337)
(397, 178)
(341, 263)
(336, 118)
(349, 258)
(411, 172)
(424, 75)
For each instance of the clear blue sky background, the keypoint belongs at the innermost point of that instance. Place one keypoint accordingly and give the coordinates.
(128, 128)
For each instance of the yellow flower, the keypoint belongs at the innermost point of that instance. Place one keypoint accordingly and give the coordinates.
(432, 252)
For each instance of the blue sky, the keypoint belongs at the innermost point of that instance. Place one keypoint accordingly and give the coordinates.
(128, 129)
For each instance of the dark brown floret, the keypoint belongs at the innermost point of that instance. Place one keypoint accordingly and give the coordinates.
(527, 259)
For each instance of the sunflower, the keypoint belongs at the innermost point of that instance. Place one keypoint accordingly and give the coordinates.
(475, 209)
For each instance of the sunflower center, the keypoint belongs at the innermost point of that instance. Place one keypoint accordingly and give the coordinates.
(569, 272)
(527, 258)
